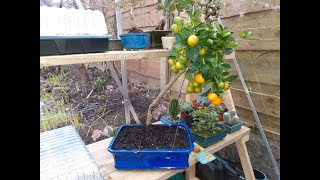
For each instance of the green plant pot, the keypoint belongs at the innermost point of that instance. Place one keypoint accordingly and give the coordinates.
(232, 129)
(155, 38)
(115, 45)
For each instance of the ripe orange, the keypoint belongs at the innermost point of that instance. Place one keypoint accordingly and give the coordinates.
(199, 79)
(202, 52)
(193, 40)
(217, 101)
(212, 96)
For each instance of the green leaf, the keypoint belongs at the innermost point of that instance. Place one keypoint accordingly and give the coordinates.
(207, 84)
(186, 32)
(218, 26)
(210, 60)
(225, 66)
(194, 68)
(188, 75)
(231, 78)
(225, 73)
(228, 51)
(244, 34)
(205, 68)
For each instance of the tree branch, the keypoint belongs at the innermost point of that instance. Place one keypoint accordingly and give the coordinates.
(161, 94)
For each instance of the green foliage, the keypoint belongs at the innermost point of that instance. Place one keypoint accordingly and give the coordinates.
(187, 107)
(202, 100)
(174, 109)
(99, 84)
(205, 122)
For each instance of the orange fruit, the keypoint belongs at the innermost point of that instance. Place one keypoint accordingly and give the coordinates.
(197, 89)
(221, 85)
(226, 86)
(171, 62)
(174, 28)
(199, 79)
(179, 65)
(190, 89)
(212, 96)
(193, 40)
(202, 52)
(217, 101)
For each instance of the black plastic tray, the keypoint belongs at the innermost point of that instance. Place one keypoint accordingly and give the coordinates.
(62, 45)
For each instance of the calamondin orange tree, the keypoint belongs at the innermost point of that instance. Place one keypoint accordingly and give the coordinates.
(198, 53)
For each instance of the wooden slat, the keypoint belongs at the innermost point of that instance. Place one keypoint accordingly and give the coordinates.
(164, 72)
(245, 160)
(266, 104)
(105, 161)
(100, 57)
(270, 44)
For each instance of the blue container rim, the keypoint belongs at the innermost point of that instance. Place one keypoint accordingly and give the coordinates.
(75, 37)
(127, 151)
(135, 34)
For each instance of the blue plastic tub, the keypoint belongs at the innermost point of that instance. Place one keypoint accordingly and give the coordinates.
(205, 142)
(135, 40)
(232, 129)
(151, 159)
(164, 120)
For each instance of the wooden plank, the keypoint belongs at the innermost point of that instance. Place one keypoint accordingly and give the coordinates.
(105, 161)
(258, 66)
(270, 44)
(99, 57)
(164, 72)
(270, 32)
(266, 104)
(228, 100)
(269, 122)
(245, 160)
(235, 7)
(191, 172)
(253, 20)
(258, 87)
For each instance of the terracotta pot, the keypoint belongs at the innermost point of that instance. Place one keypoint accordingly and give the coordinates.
(167, 42)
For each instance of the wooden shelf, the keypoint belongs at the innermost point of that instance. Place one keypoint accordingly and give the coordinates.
(101, 57)
(105, 161)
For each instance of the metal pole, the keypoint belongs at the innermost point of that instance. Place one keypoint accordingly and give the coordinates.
(118, 18)
(275, 166)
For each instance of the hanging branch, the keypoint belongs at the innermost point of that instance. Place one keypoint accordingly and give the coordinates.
(161, 94)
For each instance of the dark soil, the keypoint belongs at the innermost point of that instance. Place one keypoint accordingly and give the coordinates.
(102, 107)
(152, 137)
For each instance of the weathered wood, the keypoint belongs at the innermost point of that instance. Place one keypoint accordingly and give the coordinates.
(268, 122)
(253, 20)
(270, 32)
(164, 72)
(228, 101)
(245, 160)
(266, 104)
(258, 87)
(258, 66)
(270, 44)
(105, 161)
(100, 57)
(235, 7)
(191, 172)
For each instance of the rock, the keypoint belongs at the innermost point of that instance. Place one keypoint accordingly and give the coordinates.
(110, 87)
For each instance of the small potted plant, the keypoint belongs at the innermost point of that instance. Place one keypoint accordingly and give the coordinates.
(173, 112)
(231, 121)
(135, 38)
(201, 101)
(186, 110)
(206, 129)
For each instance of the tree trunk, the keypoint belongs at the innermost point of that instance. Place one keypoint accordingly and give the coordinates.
(161, 94)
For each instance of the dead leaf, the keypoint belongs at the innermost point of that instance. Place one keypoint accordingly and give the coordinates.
(96, 134)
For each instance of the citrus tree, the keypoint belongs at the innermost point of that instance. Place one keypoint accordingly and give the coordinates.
(198, 54)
